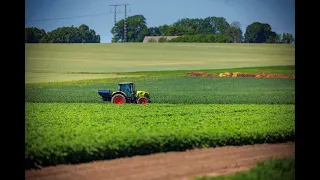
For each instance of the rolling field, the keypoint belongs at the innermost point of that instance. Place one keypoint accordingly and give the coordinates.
(66, 121)
(106, 58)
(36, 77)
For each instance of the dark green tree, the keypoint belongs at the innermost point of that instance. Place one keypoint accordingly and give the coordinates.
(174, 31)
(83, 34)
(187, 26)
(258, 33)
(136, 29)
(219, 25)
(287, 38)
(272, 37)
(278, 38)
(154, 31)
(209, 25)
(163, 29)
(234, 32)
(33, 35)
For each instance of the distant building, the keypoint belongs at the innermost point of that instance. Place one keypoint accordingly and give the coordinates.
(156, 38)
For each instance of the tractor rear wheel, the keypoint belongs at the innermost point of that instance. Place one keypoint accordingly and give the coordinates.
(118, 99)
(142, 100)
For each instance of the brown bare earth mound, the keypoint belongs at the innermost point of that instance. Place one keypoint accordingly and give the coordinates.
(240, 74)
(202, 74)
(266, 75)
(170, 166)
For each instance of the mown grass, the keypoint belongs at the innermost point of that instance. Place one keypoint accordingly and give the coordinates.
(59, 133)
(189, 90)
(272, 169)
(38, 77)
(131, 57)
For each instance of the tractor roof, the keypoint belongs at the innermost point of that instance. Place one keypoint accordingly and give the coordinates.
(126, 83)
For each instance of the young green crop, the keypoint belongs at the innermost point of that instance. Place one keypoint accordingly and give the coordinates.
(273, 169)
(79, 132)
(173, 90)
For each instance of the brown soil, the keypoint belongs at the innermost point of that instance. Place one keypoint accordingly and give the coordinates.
(170, 166)
(202, 74)
(239, 74)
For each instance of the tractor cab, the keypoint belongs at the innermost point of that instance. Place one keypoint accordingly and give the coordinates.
(128, 88)
(126, 94)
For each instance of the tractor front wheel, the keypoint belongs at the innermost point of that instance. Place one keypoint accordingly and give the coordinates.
(118, 99)
(142, 100)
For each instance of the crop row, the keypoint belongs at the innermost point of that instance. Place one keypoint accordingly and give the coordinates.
(59, 133)
(272, 169)
(173, 90)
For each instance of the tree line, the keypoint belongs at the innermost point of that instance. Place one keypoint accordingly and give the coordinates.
(81, 34)
(207, 30)
(210, 29)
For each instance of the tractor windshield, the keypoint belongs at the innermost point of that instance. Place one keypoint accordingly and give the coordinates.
(125, 88)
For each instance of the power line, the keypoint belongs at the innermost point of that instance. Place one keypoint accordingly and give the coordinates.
(70, 17)
(91, 15)
(125, 17)
(125, 23)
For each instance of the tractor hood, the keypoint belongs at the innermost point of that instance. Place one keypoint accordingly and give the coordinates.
(142, 94)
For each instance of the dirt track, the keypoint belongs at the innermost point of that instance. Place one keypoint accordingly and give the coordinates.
(169, 166)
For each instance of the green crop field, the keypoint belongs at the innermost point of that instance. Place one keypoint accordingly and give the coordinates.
(66, 121)
(173, 90)
(79, 132)
(102, 58)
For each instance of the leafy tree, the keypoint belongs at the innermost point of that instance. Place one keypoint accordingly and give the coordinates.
(209, 25)
(278, 38)
(163, 29)
(272, 38)
(287, 38)
(218, 24)
(205, 27)
(154, 31)
(83, 34)
(188, 26)
(174, 31)
(136, 29)
(258, 33)
(33, 35)
(192, 26)
(234, 32)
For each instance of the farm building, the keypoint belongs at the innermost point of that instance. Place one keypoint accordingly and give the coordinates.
(156, 38)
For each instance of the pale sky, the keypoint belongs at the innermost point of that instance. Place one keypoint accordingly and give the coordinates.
(98, 15)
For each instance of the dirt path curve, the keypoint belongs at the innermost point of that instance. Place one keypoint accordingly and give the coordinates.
(168, 166)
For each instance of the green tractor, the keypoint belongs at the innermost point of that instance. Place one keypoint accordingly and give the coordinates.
(125, 94)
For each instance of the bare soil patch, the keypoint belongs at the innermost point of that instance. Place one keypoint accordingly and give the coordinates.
(170, 166)
(241, 74)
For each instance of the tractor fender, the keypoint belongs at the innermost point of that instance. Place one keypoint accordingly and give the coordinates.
(119, 92)
(142, 94)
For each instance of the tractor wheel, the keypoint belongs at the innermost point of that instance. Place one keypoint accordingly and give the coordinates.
(118, 99)
(142, 100)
